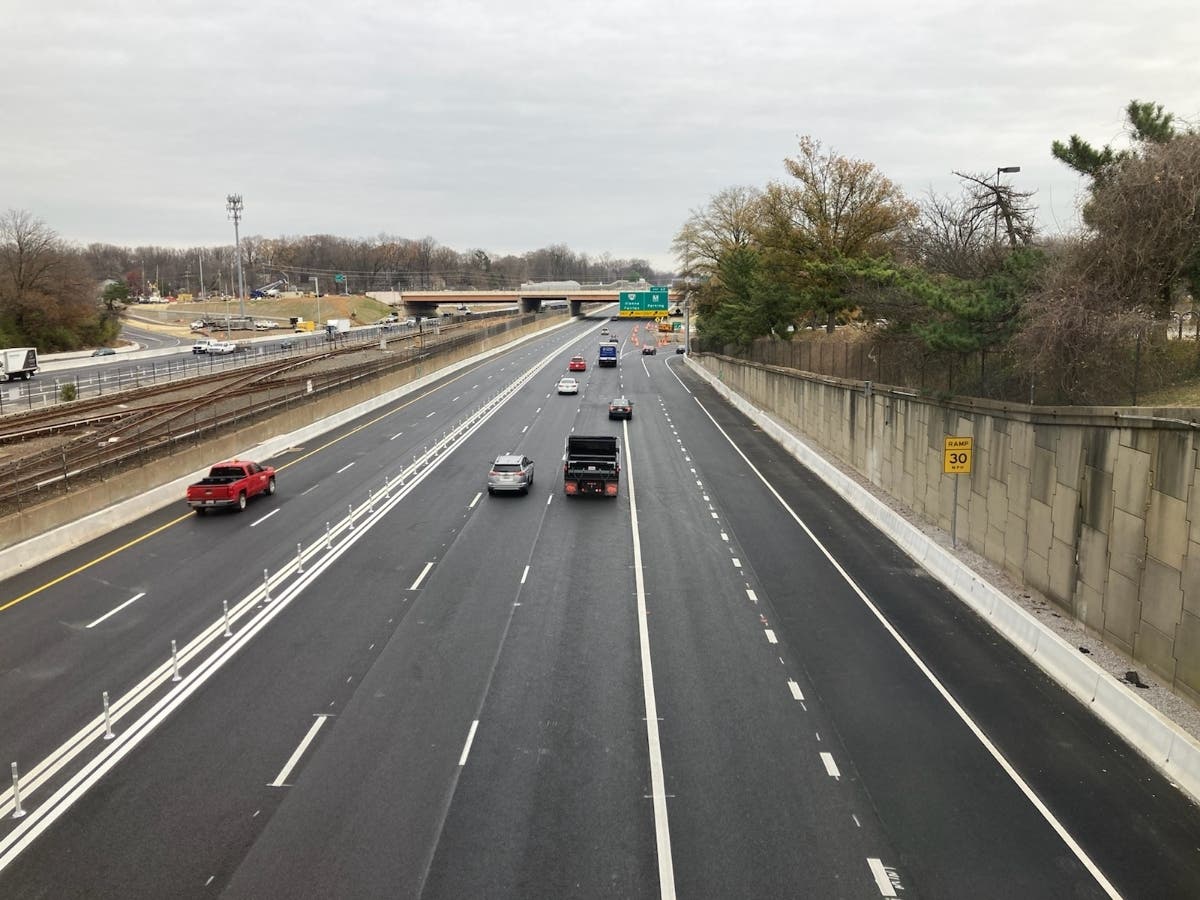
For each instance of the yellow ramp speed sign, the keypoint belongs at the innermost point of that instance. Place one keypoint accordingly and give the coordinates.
(956, 456)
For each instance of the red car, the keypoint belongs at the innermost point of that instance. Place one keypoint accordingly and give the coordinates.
(577, 364)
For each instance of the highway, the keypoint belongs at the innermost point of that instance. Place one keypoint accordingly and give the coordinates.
(723, 683)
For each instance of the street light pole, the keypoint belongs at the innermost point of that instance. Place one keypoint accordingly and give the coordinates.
(233, 203)
(996, 215)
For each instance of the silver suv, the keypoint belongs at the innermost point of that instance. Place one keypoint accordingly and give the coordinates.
(511, 473)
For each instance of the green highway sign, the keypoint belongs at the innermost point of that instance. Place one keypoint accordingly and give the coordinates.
(644, 303)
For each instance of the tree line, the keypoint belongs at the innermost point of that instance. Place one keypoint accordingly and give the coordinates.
(60, 296)
(964, 283)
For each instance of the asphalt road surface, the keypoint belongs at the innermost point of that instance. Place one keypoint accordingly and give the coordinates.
(722, 683)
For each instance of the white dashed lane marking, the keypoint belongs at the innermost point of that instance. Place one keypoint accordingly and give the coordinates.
(795, 689)
(830, 766)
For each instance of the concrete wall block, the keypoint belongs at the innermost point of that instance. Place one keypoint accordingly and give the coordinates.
(1041, 477)
(1040, 528)
(1021, 444)
(999, 449)
(1127, 544)
(1166, 528)
(1062, 574)
(1174, 463)
(1093, 558)
(1161, 595)
(1122, 611)
(1096, 497)
(1131, 480)
(1187, 654)
(1037, 571)
(1016, 543)
(1157, 651)
(1018, 488)
(1064, 507)
(1193, 508)
(1089, 607)
(1068, 456)
(1191, 579)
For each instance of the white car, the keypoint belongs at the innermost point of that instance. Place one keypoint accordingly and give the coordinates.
(263, 325)
(568, 386)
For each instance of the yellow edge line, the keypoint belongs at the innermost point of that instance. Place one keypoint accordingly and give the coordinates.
(188, 515)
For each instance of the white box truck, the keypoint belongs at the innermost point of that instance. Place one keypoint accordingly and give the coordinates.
(335, 327)
(18, 362)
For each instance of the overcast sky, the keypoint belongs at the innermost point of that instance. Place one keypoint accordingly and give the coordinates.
(512, 125)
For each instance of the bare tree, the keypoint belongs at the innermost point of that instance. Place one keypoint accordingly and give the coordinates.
(726, 223)
(1001, 203)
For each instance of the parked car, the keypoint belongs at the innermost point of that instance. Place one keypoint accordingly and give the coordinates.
(577, 364)
(104, 351)
(620, 408)
(511, 473)
(649, 350)
(568, 386)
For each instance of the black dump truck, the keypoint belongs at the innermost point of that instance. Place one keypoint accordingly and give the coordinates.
(592, 465)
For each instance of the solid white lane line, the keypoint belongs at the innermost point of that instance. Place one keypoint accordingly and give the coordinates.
(771, 639)
(737, 562)
(343, 468)
(524, 574)
(795, 689)
(830, 766)
(951, 701)
(425, 571)
(264, 518)
(295, 757)
(882, 881)
(753, 596)
(396, 435)
(471, 505)
(462, 760)
(113, 612)
(662, 830)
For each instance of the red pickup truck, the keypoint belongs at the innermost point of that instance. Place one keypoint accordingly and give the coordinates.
(230, 483)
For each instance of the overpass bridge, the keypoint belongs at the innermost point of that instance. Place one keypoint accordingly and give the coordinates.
(425, 303)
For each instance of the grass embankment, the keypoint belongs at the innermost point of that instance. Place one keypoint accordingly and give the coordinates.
(360, 310)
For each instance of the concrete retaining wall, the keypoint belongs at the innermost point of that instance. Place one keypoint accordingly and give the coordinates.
(1098, 509)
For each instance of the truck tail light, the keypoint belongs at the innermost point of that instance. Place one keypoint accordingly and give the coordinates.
(570, 487)
(610, 488)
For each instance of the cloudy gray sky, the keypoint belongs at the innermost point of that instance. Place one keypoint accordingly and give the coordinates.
(512, 125)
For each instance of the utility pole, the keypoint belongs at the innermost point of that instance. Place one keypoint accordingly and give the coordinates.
(203, 293)
(233, 204)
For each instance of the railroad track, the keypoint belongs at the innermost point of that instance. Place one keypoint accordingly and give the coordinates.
(85, 441)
